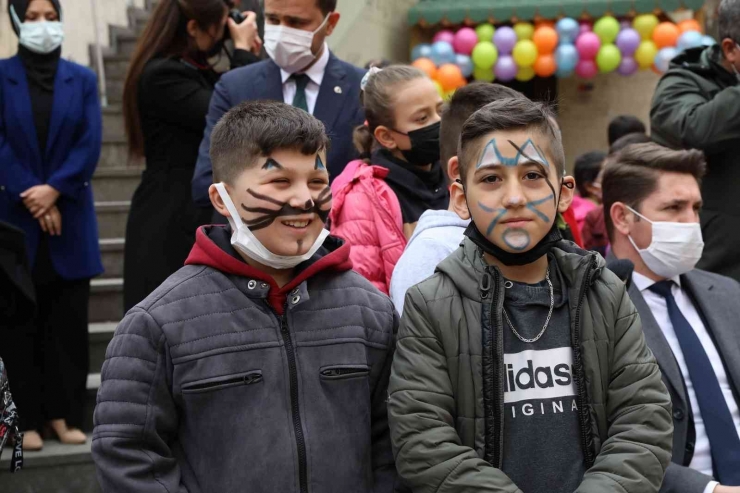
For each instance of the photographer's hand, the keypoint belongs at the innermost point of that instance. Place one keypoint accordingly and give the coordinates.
(245, 35)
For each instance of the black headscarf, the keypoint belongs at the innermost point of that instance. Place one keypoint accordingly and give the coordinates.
(40, 68)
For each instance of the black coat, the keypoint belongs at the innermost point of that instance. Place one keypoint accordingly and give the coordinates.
(173, 101)
(17, 302)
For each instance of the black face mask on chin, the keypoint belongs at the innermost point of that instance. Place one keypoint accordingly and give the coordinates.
(521, 258)
(424, 145)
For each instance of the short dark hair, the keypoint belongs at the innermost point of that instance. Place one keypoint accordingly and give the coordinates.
(327, 6)
(587, 168)
(631, 175)
(729, 20)
(624, 125)
(629, 139)
(466, 101)
(509, 114)
(258, 128)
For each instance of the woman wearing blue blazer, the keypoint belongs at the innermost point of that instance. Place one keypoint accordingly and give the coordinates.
(50, 138)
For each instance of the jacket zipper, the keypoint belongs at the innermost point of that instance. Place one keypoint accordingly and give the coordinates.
(500, 370)
(297, 426)
(584, 416)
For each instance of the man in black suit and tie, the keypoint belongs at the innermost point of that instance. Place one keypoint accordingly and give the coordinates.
(691, 318)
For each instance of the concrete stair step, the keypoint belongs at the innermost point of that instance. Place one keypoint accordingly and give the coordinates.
(112, 217)
(100, 335)
(126, 44)
(113, 125)
(116, 66)
(106, 300)
(115, 184)
(112, 250)
(114, 154)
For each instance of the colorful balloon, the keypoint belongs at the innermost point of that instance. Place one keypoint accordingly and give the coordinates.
(588, 45)
(585, 27)
(442, 53)
(505, 69)
(423, 50)
(566, 58)
(525, 53)
(666, 34)
(563, 74)
(689, 25)
(485, 55)
(466, 65)
(483, 74)
(545, 66)
(525, 74)
(645, 24)
(439, 88)
(628, 66)
(505, 39)
(427, 66)
(524, 30)
(627, 41)
(568, 30)
(465, 40)
(607, 29)
(586, 69)
(664, 57)
(708, 41)
(689, 39)
(608, 59)
(450, 76)
(645, 54)
(485, 32)
(546, 39)
(445, 35)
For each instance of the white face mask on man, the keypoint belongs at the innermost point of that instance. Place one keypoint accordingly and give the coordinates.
(290, 48)
(675, 248)
(244, 240)
(40, 37)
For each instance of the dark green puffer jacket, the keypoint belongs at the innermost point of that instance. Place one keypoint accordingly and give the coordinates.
(446, 389)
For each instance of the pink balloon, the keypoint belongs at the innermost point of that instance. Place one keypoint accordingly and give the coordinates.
(585, 27)
(465, 40)
(587, 69)
(446, 36)
(588, 45)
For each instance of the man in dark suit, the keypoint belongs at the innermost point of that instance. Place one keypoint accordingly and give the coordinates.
(690, 317)
(301, 71)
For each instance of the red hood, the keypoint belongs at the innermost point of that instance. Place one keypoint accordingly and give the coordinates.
(207, 252)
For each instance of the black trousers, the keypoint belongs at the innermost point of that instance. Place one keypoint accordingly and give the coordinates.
(48, 361)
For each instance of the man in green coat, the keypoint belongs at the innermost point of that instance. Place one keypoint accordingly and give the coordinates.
(521, 364)
(697, 105)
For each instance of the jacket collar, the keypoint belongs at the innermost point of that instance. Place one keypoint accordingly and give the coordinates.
(333, 92)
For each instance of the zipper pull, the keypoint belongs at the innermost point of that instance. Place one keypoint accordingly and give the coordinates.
(485, 285)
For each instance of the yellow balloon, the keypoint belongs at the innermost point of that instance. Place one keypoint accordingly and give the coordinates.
(645, 24)
(645, 54)
(448, 95)
(524, 30)
(439, 87)
(525, 74)
(525, 53)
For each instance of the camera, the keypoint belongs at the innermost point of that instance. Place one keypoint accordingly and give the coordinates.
(235, 16)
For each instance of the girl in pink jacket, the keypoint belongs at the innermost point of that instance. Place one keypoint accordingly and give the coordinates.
(379, 199)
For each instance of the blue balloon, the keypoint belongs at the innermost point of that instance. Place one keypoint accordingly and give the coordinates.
(466, 65)
(442, 52)
(563, 74)
(568, 30)
(664, 57)
(566, 57)
(689, 39)
(423, 50)
(708, 41)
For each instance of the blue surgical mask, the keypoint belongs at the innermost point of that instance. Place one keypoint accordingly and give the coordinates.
(40, 37)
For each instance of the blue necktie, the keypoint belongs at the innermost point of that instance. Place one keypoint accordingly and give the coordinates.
(723, 437)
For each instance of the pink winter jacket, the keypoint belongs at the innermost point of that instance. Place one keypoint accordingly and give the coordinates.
(365, 212)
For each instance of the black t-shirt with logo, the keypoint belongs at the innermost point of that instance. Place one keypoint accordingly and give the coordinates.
(542, 444)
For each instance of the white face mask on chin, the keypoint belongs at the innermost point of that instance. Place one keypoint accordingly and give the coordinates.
(244, 240)
(675, 248)
(40, 37)
(290, 48)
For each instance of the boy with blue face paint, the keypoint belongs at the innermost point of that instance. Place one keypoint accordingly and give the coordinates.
(521, 364)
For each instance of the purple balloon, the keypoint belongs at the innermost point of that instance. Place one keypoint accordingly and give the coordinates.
(505, 68)
(447, 36)
(627, 41)
(504, 38)
(625, 24)
(628, 66)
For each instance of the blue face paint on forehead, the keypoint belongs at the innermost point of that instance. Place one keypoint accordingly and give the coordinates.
(271, 164)
(529, 152)
(319, 163)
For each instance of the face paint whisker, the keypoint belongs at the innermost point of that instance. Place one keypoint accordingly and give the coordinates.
(259, 210)
(495, 221)
(323, 194)
(259, 223)
(264, 197)
(533, 204)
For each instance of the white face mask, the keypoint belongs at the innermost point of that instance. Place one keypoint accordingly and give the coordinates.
(40, 37)
(290, 48)
(675, 248)
(244, 240)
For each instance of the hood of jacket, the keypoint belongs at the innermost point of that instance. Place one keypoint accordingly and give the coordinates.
(704, 62)
(438, 219)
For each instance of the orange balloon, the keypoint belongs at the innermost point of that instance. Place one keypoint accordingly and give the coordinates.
(545, 66)
(427, 66)
(546, 39)
(689, 25)
(666, 34)
(539, 24)
(450, 77)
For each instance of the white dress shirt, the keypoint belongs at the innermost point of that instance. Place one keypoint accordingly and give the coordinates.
(316, 75)
(702, 460)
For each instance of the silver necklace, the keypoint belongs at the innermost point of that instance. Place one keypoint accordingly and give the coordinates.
(549, 315)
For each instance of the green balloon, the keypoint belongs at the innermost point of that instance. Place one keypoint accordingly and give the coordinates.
(485, 75)
(485, 55)
(608, 59)
(485, 32)
(607, 29)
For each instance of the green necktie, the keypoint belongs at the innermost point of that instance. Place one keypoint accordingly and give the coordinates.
(301, 81)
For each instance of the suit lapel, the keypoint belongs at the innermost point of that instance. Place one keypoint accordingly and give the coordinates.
(272, 83)
(657, 343)
(333, 91)
(22, 103)
(63, 100)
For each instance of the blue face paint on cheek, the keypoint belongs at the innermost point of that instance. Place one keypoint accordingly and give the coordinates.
(499, 213)
(532, 206)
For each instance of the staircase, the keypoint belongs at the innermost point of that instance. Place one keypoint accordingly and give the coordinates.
(70, 469)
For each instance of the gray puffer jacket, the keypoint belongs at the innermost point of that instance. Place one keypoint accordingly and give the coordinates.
(220, 381)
